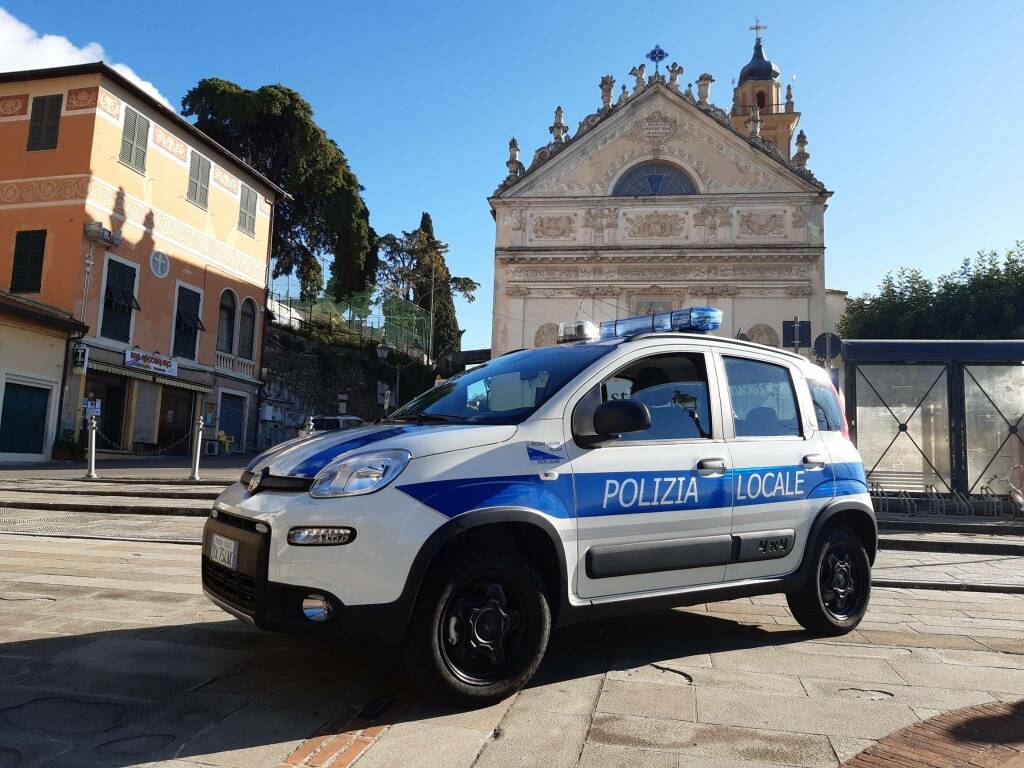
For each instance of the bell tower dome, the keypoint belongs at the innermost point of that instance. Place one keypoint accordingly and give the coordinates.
(758, 86)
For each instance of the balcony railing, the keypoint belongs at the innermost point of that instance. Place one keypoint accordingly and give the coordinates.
(232, 364)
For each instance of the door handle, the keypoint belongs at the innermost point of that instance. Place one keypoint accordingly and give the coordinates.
(710, 467)
(814, 461)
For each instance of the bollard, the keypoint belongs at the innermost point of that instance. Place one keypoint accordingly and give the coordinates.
(93, 426)
(197, 446)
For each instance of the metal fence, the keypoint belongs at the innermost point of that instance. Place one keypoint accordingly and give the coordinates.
(364, 317)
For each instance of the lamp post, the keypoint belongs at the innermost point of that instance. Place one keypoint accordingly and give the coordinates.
(384, 350)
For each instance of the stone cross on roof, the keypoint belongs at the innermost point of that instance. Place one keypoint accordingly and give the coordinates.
(758, 27)
(657, 54)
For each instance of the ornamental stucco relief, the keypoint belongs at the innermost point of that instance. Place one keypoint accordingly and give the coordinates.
(170, 143)
(82, 98)
(655, 273)
(554, 227)
(44, 190)
(762, 223)
(656, 225)
(653, 130)
(762, 333)
(110, 104)
(14, 106)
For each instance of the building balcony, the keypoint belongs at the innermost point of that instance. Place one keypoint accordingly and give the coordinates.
(232, 364)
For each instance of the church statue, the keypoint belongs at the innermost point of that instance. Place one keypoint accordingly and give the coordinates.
(638, 73)
(674, 71)
(754, 122)
(514, 165)
(607, 86)
(558, 129)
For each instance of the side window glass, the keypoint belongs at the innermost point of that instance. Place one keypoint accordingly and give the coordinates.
(827, 410)
(674, 387)
(763, 402)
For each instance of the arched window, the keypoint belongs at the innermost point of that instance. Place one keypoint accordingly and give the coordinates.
(247, 330)
(226, 325)
(760, 99)
(654, 179)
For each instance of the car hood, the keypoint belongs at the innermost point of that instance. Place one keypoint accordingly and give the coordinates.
(306, 456)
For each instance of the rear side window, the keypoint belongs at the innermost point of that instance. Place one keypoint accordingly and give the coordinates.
(827, 410)
(763, 401)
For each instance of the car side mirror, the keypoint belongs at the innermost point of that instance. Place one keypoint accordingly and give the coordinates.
(618, 417)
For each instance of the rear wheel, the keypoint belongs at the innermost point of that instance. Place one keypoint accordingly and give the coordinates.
(480, 627)
(835, 597)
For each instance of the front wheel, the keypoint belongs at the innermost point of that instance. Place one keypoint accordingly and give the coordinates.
(480, 628)
(835, 596)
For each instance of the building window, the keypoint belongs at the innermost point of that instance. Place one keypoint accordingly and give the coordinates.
(133, 140)
(199, 180)
(119, 301)
(761, 101)
(650, 179)
(247, 330)
(44, 123)
(247, 211)
(187, 323)
(27, 274)
(226, 323)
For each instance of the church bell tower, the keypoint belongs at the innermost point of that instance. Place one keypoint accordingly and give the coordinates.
(757, 102)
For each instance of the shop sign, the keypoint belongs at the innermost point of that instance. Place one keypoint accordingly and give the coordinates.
(150, 361)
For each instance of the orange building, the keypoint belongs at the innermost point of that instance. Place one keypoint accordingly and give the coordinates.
(116, 210)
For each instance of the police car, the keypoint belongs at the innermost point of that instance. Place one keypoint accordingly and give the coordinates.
(637, 465)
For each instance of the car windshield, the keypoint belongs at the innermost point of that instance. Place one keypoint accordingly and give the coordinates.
(505, 390)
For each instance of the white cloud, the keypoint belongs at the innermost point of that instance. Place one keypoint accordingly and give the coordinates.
(21, 47)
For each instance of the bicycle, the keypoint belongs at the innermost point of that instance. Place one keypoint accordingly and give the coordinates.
(1016, 494)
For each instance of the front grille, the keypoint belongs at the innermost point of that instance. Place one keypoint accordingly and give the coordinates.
(235, 521)
(269, 482)
(234, 587)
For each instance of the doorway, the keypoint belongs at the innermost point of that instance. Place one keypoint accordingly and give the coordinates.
(176, 419)
(110, 390)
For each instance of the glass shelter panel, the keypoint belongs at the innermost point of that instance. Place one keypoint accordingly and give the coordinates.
(903, 426)
(993, 412)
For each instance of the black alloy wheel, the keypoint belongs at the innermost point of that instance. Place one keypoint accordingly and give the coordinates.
(481, 631)
(834, 598)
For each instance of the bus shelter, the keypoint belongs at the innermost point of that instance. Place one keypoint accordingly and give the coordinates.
(938, 423)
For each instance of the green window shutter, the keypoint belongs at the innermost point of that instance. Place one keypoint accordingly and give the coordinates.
(247, 210)
(128, 135)
(27, 272)
(204, 181)
(141, 139)
(118, 301)
(193, 178)
(44, 122)
(187, 323)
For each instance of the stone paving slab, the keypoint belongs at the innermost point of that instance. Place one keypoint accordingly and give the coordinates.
(73, 488)
(722, 685)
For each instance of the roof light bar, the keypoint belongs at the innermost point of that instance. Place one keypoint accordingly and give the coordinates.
(577, 330)
(691, 319)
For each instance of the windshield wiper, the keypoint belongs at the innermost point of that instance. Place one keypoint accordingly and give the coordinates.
(429, 418)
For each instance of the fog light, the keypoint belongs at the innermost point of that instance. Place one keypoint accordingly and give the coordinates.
(316, 607)
(320, 537)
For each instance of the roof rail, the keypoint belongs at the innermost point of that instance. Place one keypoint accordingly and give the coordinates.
(706, 337)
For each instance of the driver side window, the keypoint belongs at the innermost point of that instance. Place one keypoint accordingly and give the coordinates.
(674, 387)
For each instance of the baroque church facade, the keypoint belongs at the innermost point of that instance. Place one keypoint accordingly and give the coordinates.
(662, 200)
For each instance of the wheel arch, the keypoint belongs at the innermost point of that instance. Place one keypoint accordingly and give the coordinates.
(529, 530)
(858, 515)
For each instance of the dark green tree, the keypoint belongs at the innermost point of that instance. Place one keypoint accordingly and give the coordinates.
(983, 299)
(413, 265)
(272, 128)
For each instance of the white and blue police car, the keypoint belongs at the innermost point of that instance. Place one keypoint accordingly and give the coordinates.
(636, 465)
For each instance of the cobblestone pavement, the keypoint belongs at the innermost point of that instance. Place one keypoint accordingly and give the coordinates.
(110, 656)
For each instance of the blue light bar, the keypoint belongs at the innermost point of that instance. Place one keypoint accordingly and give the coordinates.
(691, 319)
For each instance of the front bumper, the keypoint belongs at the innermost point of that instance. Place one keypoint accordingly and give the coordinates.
(248, 594)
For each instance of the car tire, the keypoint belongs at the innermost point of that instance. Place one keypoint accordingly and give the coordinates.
(479, 628)
(835, 596)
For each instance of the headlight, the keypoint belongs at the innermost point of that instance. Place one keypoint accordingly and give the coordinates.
(359, 474)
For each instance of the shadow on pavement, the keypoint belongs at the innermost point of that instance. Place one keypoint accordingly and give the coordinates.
(185, 691)
(1005, 728)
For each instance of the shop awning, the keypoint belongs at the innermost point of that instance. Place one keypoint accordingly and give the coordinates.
(95, 365)
(182, 384)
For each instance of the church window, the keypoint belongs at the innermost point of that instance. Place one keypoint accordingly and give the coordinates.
(654, 179)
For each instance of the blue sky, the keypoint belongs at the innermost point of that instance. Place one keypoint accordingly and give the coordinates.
(912, 109)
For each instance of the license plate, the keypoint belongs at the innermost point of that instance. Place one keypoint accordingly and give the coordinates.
(224, 551)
